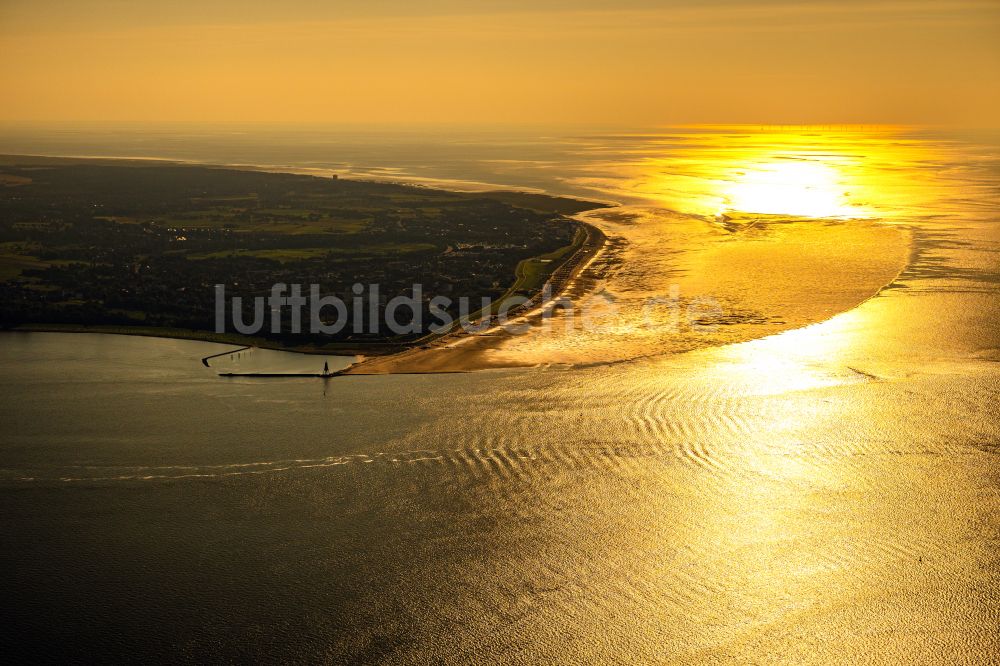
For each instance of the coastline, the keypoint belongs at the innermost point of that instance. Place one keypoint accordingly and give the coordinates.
(423, 359)
(363, 349)
(766, 281)
(366, 349)
(463, 351)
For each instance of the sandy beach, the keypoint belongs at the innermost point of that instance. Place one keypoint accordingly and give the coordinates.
(765, 274)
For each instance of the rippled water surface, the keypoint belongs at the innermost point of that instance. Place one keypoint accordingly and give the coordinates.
(827, 493)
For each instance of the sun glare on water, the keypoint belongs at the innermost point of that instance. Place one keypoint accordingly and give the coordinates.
(806, 172)
(788, 187)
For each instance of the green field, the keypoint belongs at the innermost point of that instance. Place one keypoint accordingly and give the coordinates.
(532, 273)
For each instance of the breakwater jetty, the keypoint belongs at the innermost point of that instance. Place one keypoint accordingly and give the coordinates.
(206, 359)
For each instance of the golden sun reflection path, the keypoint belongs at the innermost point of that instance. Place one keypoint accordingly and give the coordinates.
(884, 173)
(802, 188)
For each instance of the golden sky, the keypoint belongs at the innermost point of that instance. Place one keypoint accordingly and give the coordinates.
(542, 61)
